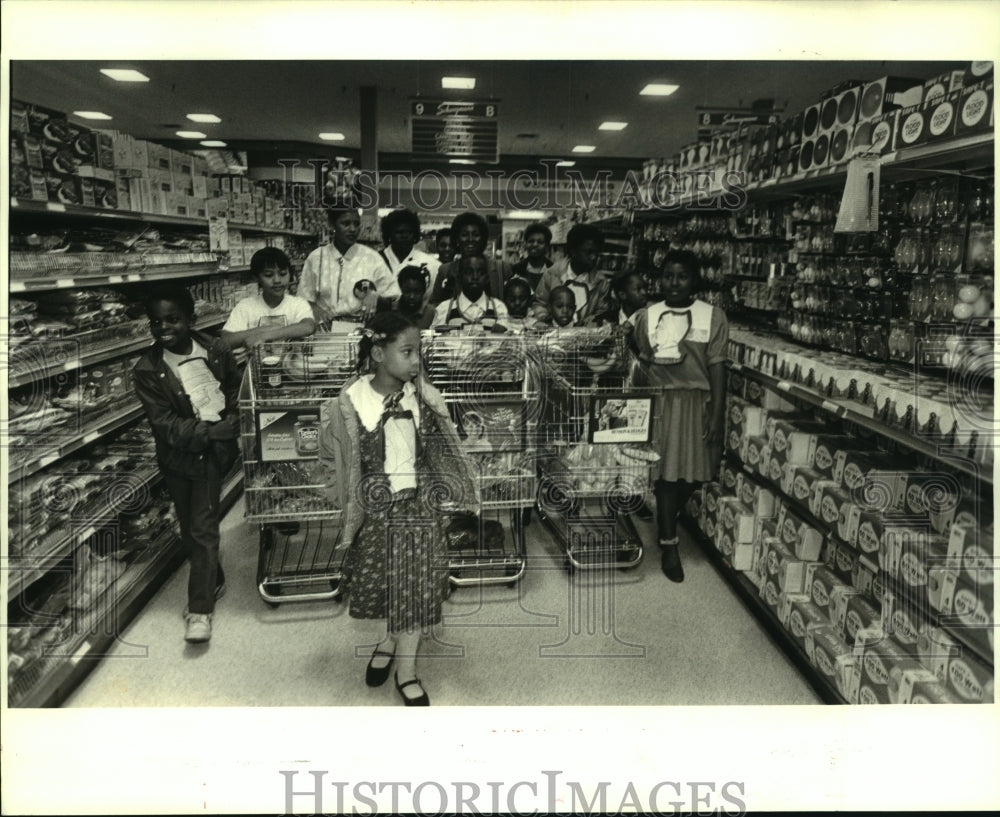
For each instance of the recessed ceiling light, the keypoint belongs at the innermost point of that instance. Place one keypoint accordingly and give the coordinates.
(460, 83)
(584, 149)
(91, 115)
(612, 126)
(525, 215)
(210, 118)
(653, 89)
(332, 137)
(213, 143)
(566, 163)
(461, 162)
(124, 75)
(190, 134)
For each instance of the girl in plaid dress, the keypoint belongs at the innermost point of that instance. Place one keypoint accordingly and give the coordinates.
(399, 465)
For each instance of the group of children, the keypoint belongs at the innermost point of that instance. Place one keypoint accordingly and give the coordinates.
(389, 428)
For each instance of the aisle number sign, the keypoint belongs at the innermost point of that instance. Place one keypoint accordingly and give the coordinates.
(709, 119)
(442, 129)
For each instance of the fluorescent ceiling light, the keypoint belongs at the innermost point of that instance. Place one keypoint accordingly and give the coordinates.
(461, 161)
(584, 149)
(210, 118)
(91, 115)
(214, 143)
(332, 137)
(613, 126)
(460, 83)
(190, 134)
(124, 75)
(525, 215)
(566, 163)
(653, 89)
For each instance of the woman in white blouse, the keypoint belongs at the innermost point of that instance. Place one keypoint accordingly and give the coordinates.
(344, 279)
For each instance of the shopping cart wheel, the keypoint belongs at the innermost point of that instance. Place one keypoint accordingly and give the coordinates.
(626, 556)
(272, 590)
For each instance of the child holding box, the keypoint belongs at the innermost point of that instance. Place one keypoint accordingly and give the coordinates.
(681, 345)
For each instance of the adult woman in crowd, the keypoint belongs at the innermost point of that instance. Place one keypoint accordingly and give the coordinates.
(344, 279)
(469, 235)
(537, 240)
(400, 233)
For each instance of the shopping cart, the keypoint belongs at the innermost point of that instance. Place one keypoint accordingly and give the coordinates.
(594, 459)
(288, 491)
(492, 384)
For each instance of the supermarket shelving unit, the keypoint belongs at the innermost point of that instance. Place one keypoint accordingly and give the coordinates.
(56, 665)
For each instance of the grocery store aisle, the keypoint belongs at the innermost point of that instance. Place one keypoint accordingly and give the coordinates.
(554, 640)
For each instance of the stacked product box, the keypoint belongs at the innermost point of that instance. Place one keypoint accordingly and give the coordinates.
(152, 178)
(849, 552)
(855, 116)
(55, 160)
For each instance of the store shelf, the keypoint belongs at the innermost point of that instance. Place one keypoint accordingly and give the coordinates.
(941, 453)
(84, 437)
(901, 592)
(99, 627)
(98, 355)
(748, 594)
(81, 530)
(48, 208)
(957, 155)
(158, 273)
(610, 225)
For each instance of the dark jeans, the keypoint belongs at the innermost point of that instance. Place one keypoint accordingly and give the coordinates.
(197, 506)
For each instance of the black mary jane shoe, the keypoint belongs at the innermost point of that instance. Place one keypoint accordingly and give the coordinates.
(376, 676)
(420, 700)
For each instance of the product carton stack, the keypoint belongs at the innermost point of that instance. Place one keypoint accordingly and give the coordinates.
(850, 548)
(55, 160)
(159, 180)
(876, 115)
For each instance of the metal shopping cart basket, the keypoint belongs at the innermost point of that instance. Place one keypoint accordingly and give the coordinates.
(287, 491)
(492, 384)
(594, 460)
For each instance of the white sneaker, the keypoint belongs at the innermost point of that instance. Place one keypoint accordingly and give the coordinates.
(199, 627)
